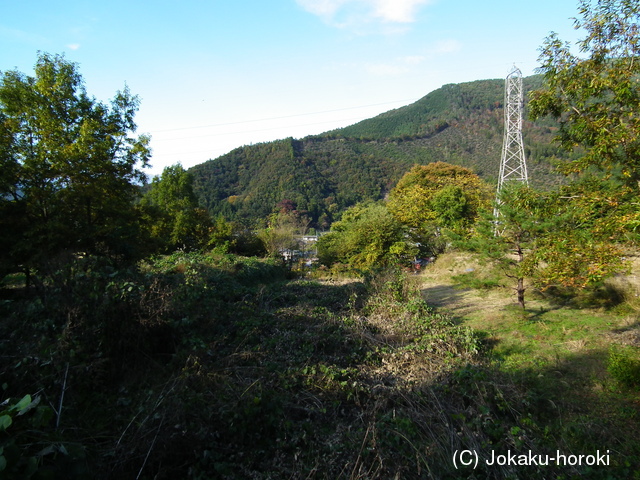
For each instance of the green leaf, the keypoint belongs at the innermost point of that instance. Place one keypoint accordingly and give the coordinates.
(30, 407)
(22, 404)
(5, 422)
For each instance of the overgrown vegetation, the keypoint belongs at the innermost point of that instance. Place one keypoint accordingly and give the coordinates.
(209, 366)
(137, 342)
(215, 366)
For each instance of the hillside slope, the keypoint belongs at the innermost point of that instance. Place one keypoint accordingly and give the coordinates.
(459, 123)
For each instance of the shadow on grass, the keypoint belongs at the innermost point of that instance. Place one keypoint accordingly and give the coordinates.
(606, 296)
(286, 380)
(450, 298)
(570, 407)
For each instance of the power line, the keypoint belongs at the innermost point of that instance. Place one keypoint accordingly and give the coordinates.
(284, 116)
(254, 131)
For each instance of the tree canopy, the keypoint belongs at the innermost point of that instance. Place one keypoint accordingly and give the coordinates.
(174, 217)
(438, 195)
(595, 96)
(70, 165)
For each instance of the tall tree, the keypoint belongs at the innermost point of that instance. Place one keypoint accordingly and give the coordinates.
(595, 95)
(437, 196)
(70, 164)
(173, 214)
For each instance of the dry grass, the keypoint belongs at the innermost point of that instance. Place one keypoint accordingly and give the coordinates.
(441, 290)
(450, 264)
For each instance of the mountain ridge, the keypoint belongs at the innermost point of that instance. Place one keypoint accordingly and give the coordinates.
(324, 174)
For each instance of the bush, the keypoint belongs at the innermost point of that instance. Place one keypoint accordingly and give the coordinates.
(624, 366)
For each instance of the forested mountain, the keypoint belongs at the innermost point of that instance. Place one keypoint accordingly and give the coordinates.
(460, 124)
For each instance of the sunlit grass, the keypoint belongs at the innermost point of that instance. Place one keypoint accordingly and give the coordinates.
(575, 354)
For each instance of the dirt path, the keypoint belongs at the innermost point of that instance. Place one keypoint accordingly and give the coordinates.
(441, 292)
(461, 303)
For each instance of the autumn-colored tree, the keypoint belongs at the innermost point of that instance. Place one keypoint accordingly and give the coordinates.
(437, 196)
(587, 232)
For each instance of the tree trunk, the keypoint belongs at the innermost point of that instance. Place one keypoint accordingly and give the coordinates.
(520, 290)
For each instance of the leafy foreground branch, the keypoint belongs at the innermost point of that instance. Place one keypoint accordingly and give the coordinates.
(201, 367)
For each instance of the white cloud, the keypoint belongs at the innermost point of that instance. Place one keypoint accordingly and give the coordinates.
(398, 11)
(73, 46)
(348, 13)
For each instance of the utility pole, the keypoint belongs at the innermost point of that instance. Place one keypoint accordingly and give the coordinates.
(512, 163)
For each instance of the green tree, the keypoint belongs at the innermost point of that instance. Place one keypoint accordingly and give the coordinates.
(452, 207)
(595, 95)
(437, 196)
(221, 237)
(513, 242)
(174, 217)
(70, 166)
(366, 237)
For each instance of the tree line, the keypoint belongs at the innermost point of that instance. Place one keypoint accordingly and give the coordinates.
(326, 174)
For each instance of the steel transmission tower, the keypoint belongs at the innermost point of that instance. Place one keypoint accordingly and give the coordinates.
(512, 163)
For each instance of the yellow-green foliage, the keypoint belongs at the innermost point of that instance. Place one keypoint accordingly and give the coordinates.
(367, 237)
(438, 194)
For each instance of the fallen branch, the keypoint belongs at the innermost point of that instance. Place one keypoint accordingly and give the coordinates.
(64, 388)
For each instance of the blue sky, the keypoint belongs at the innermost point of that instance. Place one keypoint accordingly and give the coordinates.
(213, 75)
